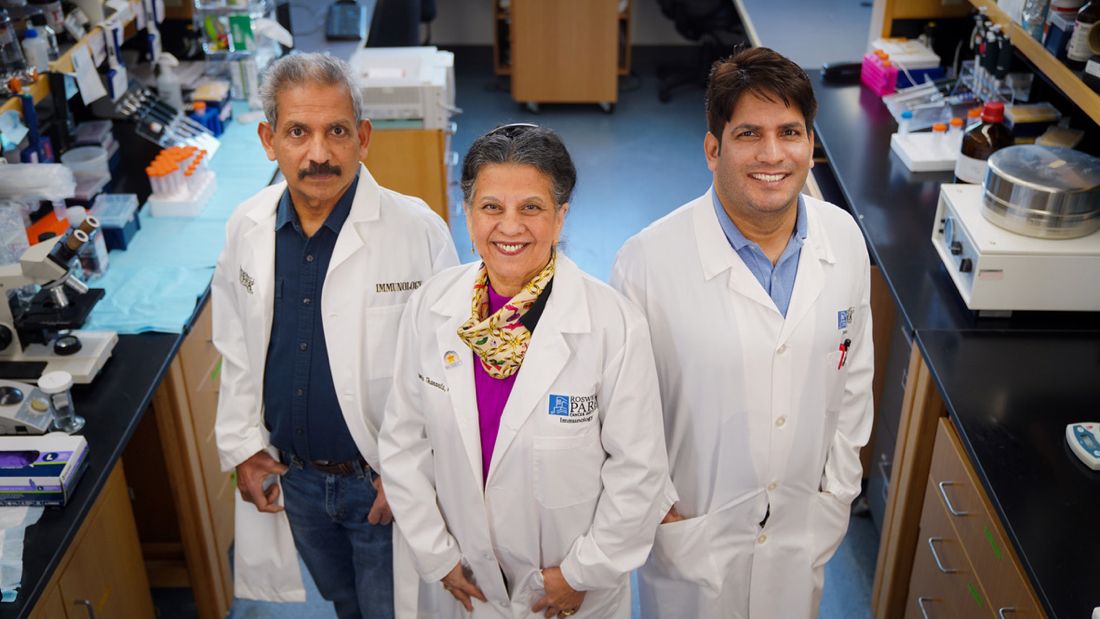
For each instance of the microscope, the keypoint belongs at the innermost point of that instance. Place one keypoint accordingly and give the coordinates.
(39, 335)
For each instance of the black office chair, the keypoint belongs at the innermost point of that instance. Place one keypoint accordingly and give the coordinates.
(717, 27)
(396, 23)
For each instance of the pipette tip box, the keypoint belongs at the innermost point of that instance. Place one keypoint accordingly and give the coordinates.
(41, 470)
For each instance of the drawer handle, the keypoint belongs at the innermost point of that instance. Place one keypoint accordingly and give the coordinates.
(920, 605)
(936, 557)
(87, 604)
(1001, 612)
(882, 463)
(943, 492)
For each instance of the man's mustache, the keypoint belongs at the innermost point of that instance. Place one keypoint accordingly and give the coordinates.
(318, 168)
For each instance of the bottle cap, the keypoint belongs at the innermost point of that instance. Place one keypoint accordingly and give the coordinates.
(956, 122)
(31, 33)
(200, 106)
(993, 112)
(907, 114)
(939, 127)
(55, 382)
(974, 112)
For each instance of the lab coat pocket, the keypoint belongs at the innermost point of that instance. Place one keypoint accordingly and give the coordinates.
(381, 345)
(681, 551)
(836, 372)
(829, 523)
(567, 469)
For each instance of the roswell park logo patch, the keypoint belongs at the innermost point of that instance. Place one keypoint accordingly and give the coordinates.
(573, 408)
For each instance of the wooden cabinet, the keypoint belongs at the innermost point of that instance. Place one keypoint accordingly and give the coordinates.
(944, 552)
(415, 162)
(186, 536)
(943, 582)
(953, 486)
(185, 406)
(562, 51)
(102, 574)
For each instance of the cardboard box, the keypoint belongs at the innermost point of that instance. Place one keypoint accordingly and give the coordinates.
(40, 470)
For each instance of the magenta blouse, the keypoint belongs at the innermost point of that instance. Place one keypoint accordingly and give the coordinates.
(492, 395)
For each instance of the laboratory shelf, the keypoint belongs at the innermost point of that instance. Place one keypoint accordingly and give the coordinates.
(1058, 73)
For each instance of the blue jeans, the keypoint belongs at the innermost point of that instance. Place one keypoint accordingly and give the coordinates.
(351, 560)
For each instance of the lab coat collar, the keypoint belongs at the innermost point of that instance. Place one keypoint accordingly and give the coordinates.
(717, 256)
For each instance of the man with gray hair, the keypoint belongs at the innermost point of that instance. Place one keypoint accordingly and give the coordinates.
(307, 297)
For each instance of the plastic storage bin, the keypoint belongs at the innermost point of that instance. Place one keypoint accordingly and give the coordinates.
(118, 220)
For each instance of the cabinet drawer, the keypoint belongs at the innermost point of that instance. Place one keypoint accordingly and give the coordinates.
(197, 353)
(956, 488)
(952, 589)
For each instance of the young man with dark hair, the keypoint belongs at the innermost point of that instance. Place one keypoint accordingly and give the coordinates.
(758, 305)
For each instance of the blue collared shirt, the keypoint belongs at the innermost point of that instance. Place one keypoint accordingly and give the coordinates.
(301, 409)
(777, 280)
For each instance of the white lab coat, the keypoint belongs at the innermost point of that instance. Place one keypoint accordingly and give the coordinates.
(388, 244)
(583, 491)
(756, 412)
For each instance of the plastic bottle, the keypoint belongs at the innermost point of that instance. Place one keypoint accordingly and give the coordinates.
(1078, 51)
(48, 33)
(11, 55)
(36, 50)
(973, 117)
(904, 122)
(955, 134)
(939, 138)
(980, 142)
(1033, 16)
(168, 83)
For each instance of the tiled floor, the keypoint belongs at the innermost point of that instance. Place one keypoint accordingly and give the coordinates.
(634, 165)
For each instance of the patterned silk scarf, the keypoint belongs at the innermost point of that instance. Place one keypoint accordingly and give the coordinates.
(501, 340)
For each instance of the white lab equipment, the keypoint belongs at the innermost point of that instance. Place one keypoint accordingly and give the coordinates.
(407, 83)
(24, 409)
(1084, 440)
(998, 270)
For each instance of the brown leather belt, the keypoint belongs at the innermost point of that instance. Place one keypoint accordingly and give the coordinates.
(340, 468)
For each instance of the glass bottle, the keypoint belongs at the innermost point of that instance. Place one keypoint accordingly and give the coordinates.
(11, 54)
(981, 141)
(1078, 50)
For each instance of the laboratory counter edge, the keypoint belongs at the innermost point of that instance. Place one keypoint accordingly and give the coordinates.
(1010, 385)
(112, 405)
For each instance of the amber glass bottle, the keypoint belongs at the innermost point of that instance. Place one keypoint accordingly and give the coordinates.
(981, 141)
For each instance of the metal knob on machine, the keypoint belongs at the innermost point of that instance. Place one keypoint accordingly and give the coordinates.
(1043, 191)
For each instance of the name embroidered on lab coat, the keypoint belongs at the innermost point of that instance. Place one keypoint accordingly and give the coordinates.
(437, 385)
(573, 408)
(396, 286)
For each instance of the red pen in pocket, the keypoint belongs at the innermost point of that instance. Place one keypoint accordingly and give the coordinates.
(843, 353)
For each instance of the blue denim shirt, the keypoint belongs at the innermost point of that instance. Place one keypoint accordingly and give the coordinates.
(777, 280)
(301, 409)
